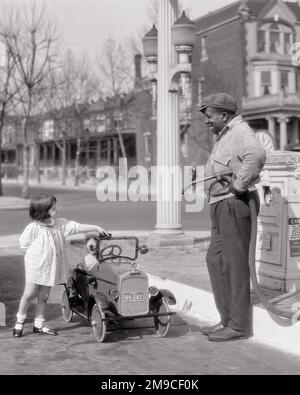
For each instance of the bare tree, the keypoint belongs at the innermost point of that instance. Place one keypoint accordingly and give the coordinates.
(76, 86)
(7, 90)
(115, 66)
(32, 43)
(58, 109)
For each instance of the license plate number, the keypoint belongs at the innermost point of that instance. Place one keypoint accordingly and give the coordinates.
(131, 297)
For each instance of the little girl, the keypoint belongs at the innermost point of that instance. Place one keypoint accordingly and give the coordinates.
(45, 262)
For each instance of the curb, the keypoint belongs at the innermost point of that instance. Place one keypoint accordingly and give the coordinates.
(12, 241)
(269, 329)
(15, 208)
(12, 203)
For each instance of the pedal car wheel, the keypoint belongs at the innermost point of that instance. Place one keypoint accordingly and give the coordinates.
(162, 323)
(98, 325)
(67, 313)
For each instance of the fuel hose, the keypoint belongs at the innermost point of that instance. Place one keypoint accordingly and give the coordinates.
(252, 254)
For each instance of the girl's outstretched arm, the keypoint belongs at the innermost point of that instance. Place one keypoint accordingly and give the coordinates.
(92, 228)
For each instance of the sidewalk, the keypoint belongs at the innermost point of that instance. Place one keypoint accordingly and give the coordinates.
(55, 184)
(13, 203)
(183, 270)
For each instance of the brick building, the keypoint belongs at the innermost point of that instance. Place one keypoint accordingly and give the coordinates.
(245, 49)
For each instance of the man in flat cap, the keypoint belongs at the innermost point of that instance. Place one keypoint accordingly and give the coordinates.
(237, 151)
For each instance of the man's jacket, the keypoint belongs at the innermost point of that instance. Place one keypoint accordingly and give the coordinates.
(238, 150)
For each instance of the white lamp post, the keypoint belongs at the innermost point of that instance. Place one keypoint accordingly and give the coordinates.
(175, 42)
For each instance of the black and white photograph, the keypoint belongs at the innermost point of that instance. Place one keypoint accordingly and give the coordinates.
(149, 191)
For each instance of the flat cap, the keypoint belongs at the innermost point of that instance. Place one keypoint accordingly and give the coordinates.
(219, 100)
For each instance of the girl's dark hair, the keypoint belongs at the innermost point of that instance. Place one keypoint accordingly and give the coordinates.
(40, 206)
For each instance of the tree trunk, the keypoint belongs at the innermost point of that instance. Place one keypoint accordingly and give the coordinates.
(1, 189)
(76, 180)
(37, 154)
(25, 187)
(64, 162)
(1, 128)
(123, 151)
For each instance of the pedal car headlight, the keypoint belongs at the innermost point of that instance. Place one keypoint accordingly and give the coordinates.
(114, 293)
(153, 291)
(134, 265)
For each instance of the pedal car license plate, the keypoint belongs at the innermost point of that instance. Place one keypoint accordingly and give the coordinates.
(131, 297)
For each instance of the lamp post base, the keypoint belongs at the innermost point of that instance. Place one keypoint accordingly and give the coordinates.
(168, 239)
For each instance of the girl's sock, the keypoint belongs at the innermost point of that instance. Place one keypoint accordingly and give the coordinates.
(39, 322)
(20, 321)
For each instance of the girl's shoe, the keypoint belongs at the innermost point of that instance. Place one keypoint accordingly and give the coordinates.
(44, 331)
(18, 332)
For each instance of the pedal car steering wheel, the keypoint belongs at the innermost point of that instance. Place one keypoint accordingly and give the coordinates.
(111, 251)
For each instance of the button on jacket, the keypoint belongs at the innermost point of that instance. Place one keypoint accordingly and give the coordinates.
(237, 150)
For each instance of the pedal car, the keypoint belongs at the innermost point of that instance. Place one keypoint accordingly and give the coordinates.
(107, 286)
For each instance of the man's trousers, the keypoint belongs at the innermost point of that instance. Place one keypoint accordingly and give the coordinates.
(227, 260)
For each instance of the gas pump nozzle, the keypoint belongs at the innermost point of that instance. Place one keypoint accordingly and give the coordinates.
(201, 180)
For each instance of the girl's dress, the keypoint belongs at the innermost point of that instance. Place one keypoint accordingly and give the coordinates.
(45, 260)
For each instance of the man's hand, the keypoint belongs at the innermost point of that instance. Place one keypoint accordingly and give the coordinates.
(236, 192)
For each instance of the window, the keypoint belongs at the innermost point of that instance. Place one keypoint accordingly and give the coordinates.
(288, 41)
(118, 120)
(41, 153)
(261, 41)
(48, 130)
(73, 151)
(266, 82)
(87, 124)
(104, 149)
(100, 120)
(274, 38)
(284, 79)
(204, 56)
(130, 146)
(93, 150)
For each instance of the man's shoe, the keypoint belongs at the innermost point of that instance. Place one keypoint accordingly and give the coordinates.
(207, 330)
(228, 334)
(44, 331)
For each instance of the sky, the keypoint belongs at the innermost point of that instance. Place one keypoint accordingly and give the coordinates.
(85, 24)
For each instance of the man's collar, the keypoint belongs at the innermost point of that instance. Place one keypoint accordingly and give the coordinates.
(234, 121)
(229, 126)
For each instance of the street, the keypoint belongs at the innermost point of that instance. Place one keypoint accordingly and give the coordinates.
(82, 206)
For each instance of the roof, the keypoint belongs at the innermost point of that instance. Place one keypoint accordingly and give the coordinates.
(295, 8)
(231, 10)
(218, 16)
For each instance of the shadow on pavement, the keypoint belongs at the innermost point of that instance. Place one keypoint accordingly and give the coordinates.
(11, 288)
(131, 330)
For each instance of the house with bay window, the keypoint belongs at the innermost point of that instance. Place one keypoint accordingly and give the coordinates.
(249, 49)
